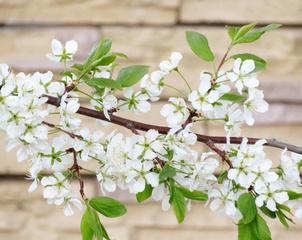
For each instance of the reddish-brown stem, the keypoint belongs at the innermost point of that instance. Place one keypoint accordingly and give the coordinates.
(77, 169)
(220, 153)
(72, 135)
(164, 130)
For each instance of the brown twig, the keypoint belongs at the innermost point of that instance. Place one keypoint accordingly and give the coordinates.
(77, 168)
(164, 130)
(72, 135)
(220, 152)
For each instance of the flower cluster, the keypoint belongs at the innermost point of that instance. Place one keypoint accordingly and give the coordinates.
(164, 163)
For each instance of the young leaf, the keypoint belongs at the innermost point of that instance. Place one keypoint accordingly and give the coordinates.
(243, 30)
(232, 97)
(167, 172)
(222, 176)
(200, 46)
(245, 232)
(261, 229)
(105, 234)
(178, 204)
(129, 76)
(94, 222)
(103, 83)
(194, 195)
(104, 61)
(268, 212)
(107, 206)
(247, 206)
(232, 31)
(255, 34)
(259, 62)
(100, 50)
(282, 218)
(144, 195)
(294, 195)
(86, 231)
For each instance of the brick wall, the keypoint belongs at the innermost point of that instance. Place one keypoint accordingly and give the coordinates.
(148, 30)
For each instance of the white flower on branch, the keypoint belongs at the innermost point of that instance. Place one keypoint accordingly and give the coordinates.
(135, 101)
(270, 195)
(168, 65)
(255, 102)
(175, 111)
(242, 74)
(62, 53)
(88, 145)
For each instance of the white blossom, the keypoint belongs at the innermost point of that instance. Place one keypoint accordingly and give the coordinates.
(242, 74)
(62, 53)
(175, 111)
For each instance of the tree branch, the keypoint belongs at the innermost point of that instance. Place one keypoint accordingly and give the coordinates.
(164, 130)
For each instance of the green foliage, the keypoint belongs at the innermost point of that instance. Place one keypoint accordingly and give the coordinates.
(247, 206)
(91, 223)
(222, 176)
(178, 203)
(103, 83)
(86, 230)
(129, 76)
(200, 46)
(194, 195)
(294, 195)
(260, 63)
(254, 230)
(100, 50)
(144, 195)
(107, 206)
(167, 172)
(283, 218)
(268, 212)
(232, 97)
(248, 33)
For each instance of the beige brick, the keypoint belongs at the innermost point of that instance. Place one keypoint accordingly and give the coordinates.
(183, 234)
(91, 12)
(238, 11)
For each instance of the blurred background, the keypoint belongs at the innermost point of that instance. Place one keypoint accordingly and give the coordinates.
(147, 31)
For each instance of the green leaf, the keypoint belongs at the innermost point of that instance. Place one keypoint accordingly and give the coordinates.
(232, 97)
(245, 232)
(232, 31)
(194, 195)
(103, 83)
(178, 204)
(269, 27)
(167, 172)
(104, 61)
(259, 62)
(222, 176)
(243, 30)
(94, 222)
(105, 234)
(200, 46)
(129, 76)
(282, 219)
(261, 229)
(100, 50)
(294, 195)
(268, 212)
(144, 195)
(255, 34)
(86, 231)
(107, 206)
(247, 207)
